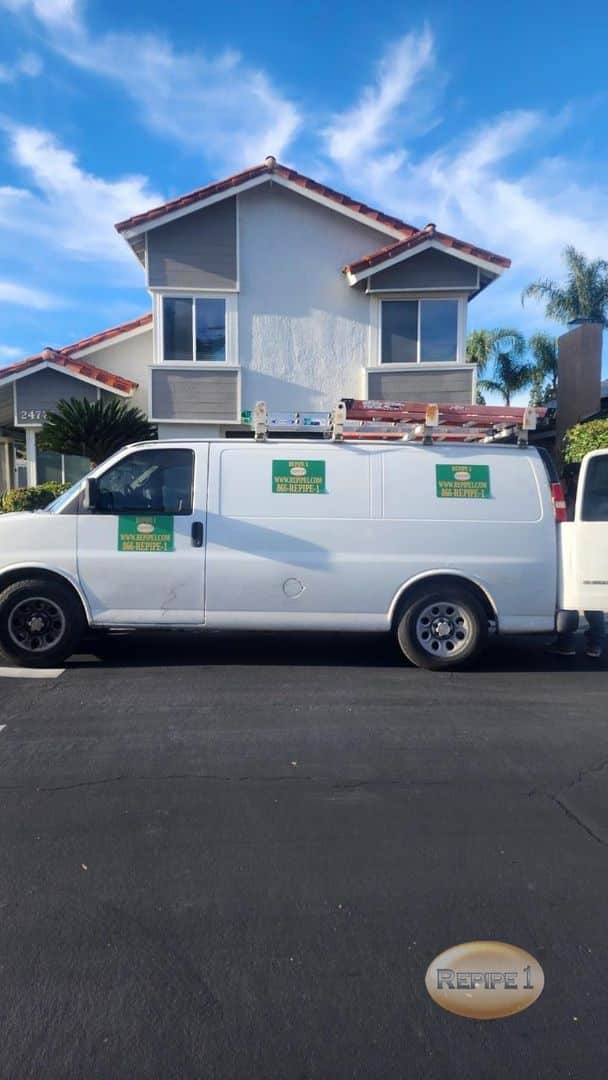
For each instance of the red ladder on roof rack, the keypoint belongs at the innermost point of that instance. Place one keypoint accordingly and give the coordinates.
(443, 422)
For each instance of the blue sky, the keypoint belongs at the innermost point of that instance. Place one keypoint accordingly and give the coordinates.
(488, 119)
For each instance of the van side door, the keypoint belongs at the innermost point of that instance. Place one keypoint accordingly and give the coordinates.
(585, 540)
(140, 549)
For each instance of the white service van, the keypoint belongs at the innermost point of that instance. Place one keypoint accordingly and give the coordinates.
(437, 544)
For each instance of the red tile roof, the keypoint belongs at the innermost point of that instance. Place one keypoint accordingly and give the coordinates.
(412, 235)
(63, 357)
(269, 167)
(420, 237)
(107, 335)
(73, 367)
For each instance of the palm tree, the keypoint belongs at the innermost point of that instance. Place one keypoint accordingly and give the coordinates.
(502, 351)
(544, 368)
(584, 294)
(510, 372)
(93, 429)
(480, 347)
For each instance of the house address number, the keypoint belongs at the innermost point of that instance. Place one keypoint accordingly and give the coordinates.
(32, 415)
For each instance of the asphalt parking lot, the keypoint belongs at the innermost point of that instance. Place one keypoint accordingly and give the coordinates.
(235, 857)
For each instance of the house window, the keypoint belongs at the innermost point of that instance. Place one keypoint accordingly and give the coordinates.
(419, 331)
(194, 328)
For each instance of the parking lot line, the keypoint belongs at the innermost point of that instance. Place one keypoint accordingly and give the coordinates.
(30, 673)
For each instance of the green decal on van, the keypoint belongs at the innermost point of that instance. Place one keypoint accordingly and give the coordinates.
(463, 481)
(298, 477)
(154, 533)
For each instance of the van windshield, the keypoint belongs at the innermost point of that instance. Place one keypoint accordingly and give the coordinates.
(57, 505)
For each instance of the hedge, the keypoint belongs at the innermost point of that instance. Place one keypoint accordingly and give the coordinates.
(582, 438)
(31, 498)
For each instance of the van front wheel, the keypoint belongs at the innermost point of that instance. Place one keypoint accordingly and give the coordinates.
(442, 627)
(41, 622)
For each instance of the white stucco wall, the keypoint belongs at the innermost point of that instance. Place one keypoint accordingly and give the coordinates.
(303, 331)
(130, 358)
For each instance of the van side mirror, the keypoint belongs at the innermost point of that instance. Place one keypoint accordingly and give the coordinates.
(91, 494)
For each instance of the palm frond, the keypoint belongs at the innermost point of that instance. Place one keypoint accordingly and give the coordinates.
(93, 429)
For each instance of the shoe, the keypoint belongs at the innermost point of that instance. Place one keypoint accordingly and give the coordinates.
(561, 650)
(593, 651)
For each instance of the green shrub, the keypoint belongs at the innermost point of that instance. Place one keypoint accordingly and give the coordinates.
(582, 438)
(31, 498)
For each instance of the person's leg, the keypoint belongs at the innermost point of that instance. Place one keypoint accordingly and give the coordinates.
(566, 625)
(596, 634)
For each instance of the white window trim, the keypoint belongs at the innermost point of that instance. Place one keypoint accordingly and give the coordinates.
(376, 302)
(231, 357)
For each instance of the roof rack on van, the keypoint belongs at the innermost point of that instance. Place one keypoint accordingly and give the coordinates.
(401, 420)
(412, 420)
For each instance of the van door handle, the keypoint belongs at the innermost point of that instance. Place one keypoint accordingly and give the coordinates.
(197, 534)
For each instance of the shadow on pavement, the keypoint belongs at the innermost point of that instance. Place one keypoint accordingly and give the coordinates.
(178, 648)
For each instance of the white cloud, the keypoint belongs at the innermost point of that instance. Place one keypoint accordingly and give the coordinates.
(66, 207)
(54, 12)
(10, 352)
(28, 63)
(495, 185)
(214, 103)
(11, 292)
(362, 129)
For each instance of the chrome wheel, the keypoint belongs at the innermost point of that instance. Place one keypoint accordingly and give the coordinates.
(36, 624)
(444, 629)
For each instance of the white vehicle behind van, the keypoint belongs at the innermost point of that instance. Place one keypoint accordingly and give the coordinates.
(439, 545)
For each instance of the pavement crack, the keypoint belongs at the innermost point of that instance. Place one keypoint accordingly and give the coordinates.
(353, 785)
(152, 779)
(601, 765)
(576, 819)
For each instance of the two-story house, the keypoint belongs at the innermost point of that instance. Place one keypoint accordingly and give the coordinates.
(265, 286)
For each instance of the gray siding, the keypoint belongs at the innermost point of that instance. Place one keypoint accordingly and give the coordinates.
(40, 392)
(199, 394)
(196, 251)
(430, 269)
(419, 384)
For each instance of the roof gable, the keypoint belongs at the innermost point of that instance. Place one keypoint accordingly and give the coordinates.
(425, 238)
(59, 361)
(405, 237)
(259, 174)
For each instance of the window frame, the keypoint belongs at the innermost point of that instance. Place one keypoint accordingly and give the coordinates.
(231, 327)
(138, 512)
(582, 508)
(461, 322)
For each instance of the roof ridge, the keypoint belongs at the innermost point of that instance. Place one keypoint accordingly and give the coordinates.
(270, 167)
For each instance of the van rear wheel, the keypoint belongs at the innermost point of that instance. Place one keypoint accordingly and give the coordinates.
(41, 622)
(442, 627)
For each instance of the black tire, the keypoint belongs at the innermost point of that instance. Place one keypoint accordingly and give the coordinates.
(41, 622)
(442, 627)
